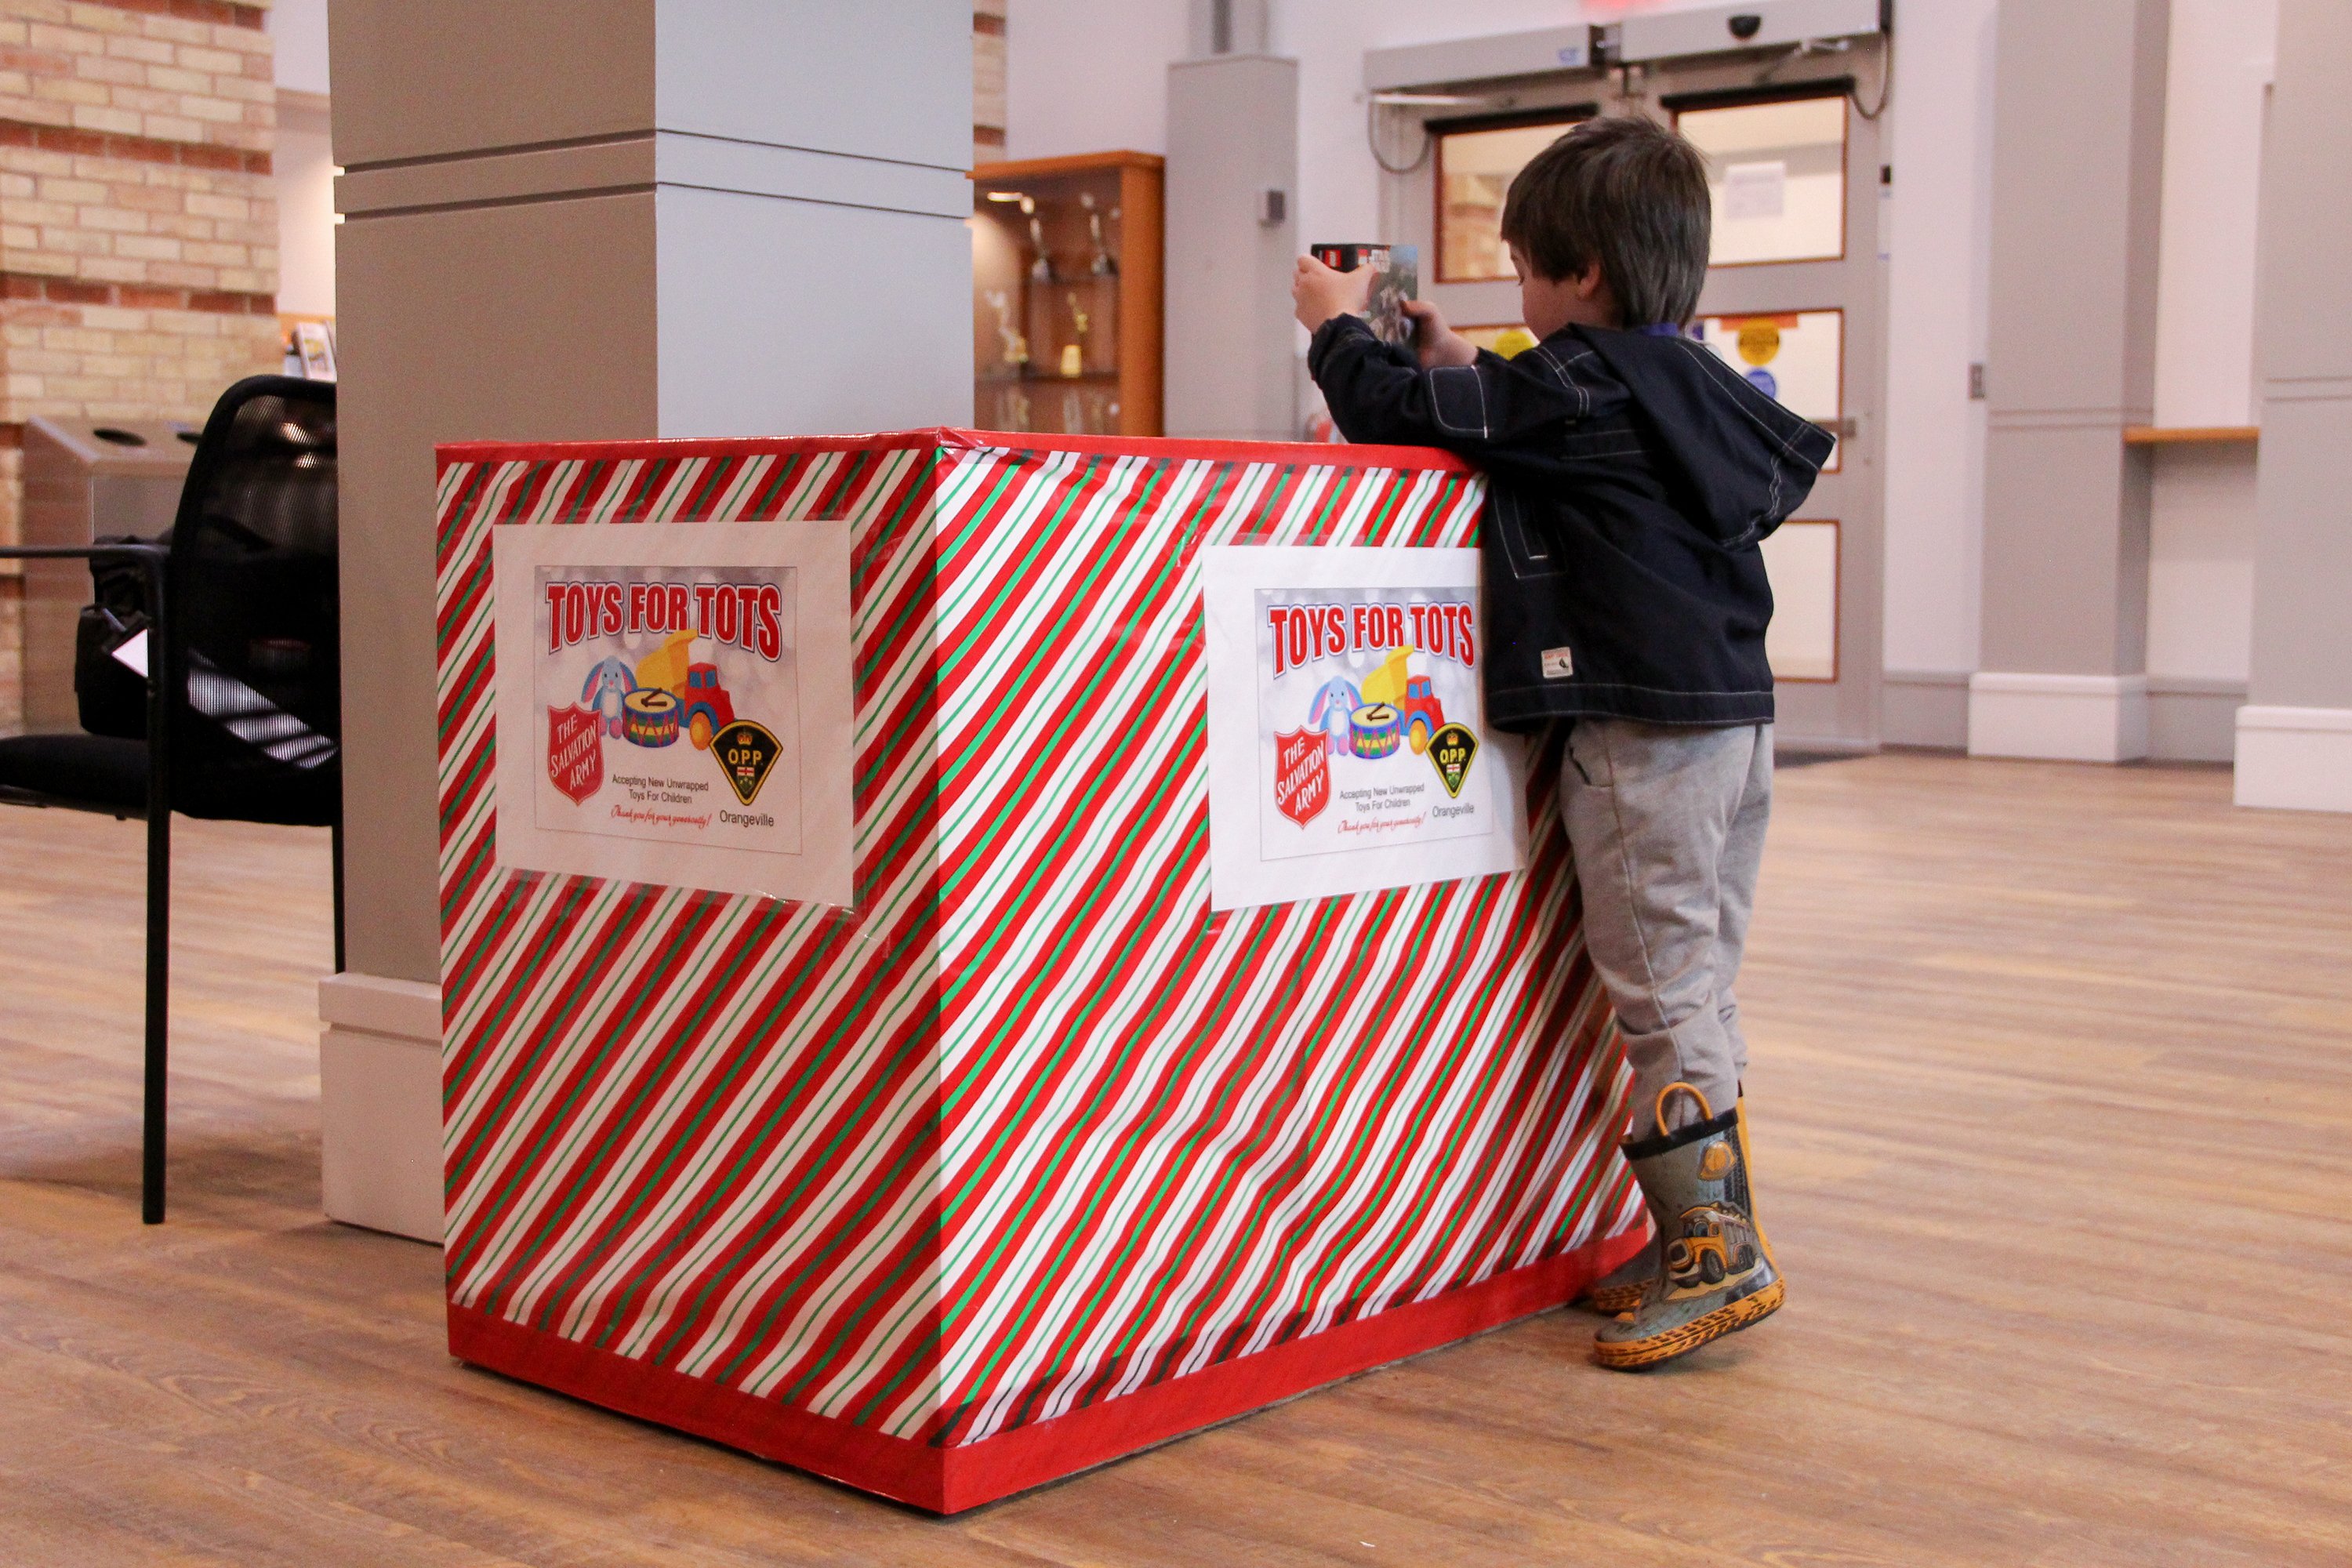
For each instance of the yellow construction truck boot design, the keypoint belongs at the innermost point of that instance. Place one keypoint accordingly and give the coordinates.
(1621, 1290)
(1716, 1276)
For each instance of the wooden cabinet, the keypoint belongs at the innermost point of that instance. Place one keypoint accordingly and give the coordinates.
(1065, 295)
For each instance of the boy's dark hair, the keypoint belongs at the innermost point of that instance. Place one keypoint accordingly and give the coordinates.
(1629, 193)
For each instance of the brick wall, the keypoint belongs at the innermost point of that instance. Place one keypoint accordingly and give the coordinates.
(138, 223)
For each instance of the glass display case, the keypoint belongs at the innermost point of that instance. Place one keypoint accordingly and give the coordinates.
(1065, 295)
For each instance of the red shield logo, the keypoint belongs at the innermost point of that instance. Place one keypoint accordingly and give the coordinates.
(575, 751)
(1302, 774)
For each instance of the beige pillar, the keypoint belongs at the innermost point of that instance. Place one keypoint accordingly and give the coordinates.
(2294, 735)
(577, 219)
(2078, 146)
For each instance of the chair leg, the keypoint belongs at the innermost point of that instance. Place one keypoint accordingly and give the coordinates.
(337, 844)
(159, 994)
(164, 688)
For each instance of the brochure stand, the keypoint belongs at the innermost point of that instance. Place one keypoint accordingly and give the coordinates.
(870, 1037)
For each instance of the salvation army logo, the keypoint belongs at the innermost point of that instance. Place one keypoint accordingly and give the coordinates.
(575, 752)
(1302, 774)
(1450, 751)
(746, 752)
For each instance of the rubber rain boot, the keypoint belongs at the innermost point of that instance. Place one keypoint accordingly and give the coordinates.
(1718, 1278)
(1621, 1288)
(1747, 1169)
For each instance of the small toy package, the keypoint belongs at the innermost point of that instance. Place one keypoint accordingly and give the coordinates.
(1396, 278)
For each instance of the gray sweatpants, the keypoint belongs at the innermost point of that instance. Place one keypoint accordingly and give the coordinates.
(1667, 823)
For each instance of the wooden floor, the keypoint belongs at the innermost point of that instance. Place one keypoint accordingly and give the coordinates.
(2053, 1118)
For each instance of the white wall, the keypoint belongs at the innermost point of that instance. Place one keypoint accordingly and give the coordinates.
(2200, 568)
(2222, 63)
(2201, 528)
(303, 160)
(304, 163)
(297, 36)
(1081, 76)
(1338, 185)
(1941, 143)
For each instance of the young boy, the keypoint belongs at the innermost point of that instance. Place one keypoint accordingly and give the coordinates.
(1632, 474)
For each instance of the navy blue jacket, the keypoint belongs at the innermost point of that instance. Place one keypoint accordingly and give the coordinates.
(1630, 476)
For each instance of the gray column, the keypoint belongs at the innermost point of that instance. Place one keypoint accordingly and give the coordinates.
(1233, 136)
(581, 219)
(2078, 146)
(2294, 735)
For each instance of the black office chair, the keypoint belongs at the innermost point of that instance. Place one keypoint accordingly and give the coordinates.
(243, 672)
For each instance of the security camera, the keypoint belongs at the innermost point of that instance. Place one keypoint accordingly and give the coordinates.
(1746, 26)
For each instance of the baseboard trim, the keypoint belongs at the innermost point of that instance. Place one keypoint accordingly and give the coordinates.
(1925, 710)
(408, 1009)
(2193, 719)
(2295, 758)
(2058, 718)
(380, 1104)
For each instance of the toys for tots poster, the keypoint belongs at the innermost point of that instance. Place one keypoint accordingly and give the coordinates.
(667, 705)
(1370, 725)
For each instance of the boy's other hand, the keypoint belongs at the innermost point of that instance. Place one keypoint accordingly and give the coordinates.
(1435, 343)
(1319, 294)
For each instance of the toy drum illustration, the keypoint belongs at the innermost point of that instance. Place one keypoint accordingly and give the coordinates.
(1374, 731)
(649, 717)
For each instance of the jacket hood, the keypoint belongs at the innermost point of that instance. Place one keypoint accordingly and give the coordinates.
(1743, 462)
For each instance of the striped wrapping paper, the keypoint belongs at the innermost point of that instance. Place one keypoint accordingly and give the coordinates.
(1029, 1161)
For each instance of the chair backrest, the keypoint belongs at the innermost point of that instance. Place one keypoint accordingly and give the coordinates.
(254, 610)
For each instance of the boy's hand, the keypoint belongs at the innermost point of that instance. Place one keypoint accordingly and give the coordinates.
(1320, 293)
(1433, 340)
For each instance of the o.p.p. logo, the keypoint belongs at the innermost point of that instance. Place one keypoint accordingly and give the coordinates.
(746, 751)
(1302, 774)
(575, 752)
(1450, 751)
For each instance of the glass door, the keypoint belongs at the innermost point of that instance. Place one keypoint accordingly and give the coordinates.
(1794, 302)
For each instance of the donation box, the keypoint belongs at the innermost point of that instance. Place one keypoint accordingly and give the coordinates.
(964, 955)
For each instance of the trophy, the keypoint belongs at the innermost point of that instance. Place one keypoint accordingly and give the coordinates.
(1041, 270)
(1016, 345)
(1077, 351)
(1100, 346)
(1102, 266)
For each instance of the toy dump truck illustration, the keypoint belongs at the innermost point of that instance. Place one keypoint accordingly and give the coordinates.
(708, 708)
(1423, 716)
(1395, 684)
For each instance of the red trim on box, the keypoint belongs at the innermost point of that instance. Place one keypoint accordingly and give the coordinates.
(1324, 455)
(949, 1480)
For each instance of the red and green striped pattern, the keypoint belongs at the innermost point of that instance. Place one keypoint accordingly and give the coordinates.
(1030, 1130)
